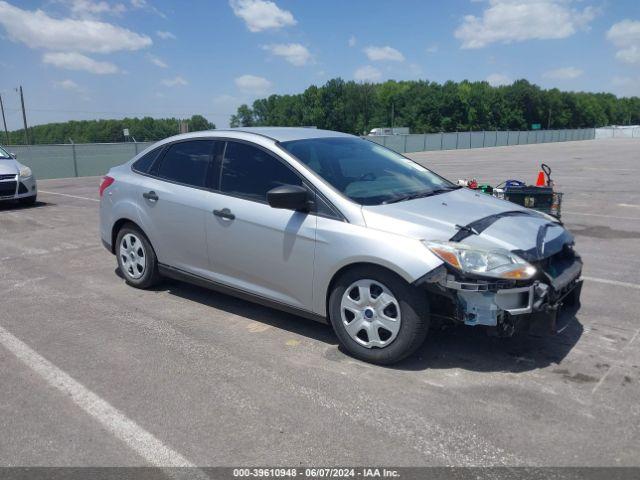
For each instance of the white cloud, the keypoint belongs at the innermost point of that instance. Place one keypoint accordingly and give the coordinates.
(77, 61)
(625, 35)
(352, 41)
(89, 8)
(383, 53)
(367, 73)
(175, 82)
(158, 62)
(497, 79)
(253, 84)
(294, 53)
(262, 15)
(36, 29)
(144, 5)
(165, 35)
(68, 85)
(566, 73)
(432, 48)
(507, 21)
(628, 86)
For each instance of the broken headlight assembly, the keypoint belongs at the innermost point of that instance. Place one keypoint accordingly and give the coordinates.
(496, 263)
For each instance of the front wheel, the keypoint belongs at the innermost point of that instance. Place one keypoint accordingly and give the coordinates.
(136, 258)
(377, 316)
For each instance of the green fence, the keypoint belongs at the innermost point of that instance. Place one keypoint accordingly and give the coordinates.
(87, 159)
(77, 160)
(466, 140)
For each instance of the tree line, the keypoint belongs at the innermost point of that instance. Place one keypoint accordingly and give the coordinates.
(427, 107)
(96, 131)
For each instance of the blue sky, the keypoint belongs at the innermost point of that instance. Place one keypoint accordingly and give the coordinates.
(79, 59)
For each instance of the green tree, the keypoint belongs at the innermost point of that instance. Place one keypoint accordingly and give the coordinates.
(243, 118)
(431, 107)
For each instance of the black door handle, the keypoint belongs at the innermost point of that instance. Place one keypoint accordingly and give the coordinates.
(224, 213)
(153, 196)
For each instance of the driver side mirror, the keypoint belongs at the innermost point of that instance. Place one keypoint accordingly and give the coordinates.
(289, 197)
(13, 155)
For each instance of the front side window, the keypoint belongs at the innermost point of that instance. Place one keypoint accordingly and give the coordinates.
(4, 153)
(364, 171)
(250, 172)
(187, 162)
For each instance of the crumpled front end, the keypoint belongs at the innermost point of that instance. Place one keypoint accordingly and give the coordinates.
(507, 306)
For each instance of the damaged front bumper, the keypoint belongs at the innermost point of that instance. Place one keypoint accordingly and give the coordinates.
(542, 305)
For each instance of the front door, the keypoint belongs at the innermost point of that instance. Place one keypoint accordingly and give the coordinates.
(253, 247)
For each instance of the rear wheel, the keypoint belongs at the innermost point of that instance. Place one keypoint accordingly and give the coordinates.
(377, 316)
(136, 259)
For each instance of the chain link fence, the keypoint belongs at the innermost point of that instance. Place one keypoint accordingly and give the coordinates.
(75, 160)
(626, 131)
(89, 159)
(466, 140)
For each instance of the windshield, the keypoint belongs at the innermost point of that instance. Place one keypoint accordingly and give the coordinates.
(364, 171)
(4, 153)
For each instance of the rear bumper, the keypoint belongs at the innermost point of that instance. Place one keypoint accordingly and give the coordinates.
(106, 245)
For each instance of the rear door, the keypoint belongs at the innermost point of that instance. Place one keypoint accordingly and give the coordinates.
(253, 247)
(176, 201)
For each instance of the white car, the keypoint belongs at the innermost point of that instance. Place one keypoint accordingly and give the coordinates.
(17, 181)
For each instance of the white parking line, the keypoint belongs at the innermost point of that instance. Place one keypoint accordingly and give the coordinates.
(67, 195)
(132, 434)
(613, 282)
(628, 205)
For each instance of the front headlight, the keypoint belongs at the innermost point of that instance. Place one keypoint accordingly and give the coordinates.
(490, 263)
(25, 172)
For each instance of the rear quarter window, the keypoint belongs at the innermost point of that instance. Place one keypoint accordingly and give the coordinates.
(144, 163)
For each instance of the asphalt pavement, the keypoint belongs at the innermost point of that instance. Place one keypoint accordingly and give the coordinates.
(96, 373)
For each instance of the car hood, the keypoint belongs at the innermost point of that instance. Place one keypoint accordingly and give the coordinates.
(512, 227)
(8, 166)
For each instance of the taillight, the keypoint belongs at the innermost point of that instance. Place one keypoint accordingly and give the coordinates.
(106, 181)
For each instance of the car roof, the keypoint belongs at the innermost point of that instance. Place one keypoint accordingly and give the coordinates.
(286, 134)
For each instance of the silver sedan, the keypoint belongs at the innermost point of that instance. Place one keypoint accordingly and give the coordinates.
(339, 229)
(17, 181)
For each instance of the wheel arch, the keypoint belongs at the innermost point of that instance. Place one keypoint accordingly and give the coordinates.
(351, 266)
(117, 226)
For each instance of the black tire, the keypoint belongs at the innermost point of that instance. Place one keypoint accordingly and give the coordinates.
(150, 275)
(28, 201)
(414, 309)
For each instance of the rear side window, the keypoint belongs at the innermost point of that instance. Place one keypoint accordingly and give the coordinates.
(187, 162)
(144, 164)
(250, 172)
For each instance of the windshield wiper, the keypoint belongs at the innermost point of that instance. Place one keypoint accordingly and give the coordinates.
(425, 193)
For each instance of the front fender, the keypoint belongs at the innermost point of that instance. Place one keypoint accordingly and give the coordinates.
(340, 244)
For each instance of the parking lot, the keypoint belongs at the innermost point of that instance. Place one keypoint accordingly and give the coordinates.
(97, 373)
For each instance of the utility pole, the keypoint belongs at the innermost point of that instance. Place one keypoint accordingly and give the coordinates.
(393, 114)
(549, 120)
(24, 118)
(4, 121)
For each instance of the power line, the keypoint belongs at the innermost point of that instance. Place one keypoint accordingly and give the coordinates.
(164, 112)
